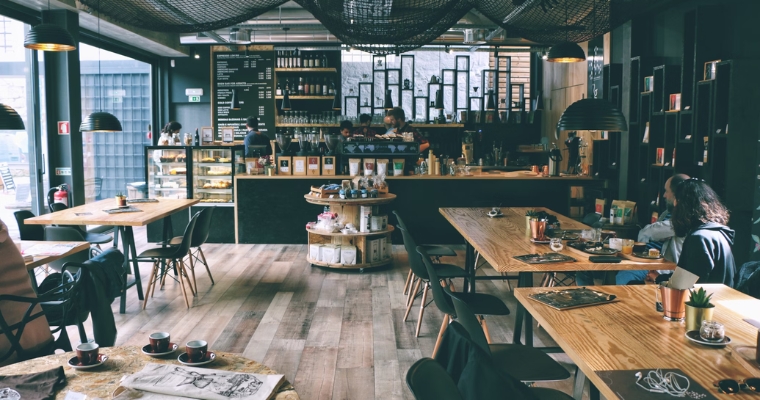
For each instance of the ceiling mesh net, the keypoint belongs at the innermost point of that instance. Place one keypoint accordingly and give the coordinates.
(388, 26)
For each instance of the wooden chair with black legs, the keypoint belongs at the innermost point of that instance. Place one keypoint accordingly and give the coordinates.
(481, 303)
(173, 255)
(522, 362)
(59, 301)
(434, 251)
(444, 271)
(428, 380)
(200, 235)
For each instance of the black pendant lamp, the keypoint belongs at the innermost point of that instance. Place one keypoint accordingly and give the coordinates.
(388, 103)
(285, 101)
(592, 115)
(439, 99)
(566, 53)
(336, 101)
(10, 120)
(49, 37)
(100, 121)
(491, 101)
(235, 104)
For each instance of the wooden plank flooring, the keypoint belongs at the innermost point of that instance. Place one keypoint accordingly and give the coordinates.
(334, 334)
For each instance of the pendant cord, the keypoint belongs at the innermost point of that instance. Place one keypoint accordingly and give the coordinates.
(100, 76)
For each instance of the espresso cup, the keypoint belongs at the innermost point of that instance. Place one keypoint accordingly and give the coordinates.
(196, 350)
(159, 342)
(87, 353)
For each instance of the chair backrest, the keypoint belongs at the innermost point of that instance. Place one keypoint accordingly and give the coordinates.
(442, 301)
(591, 218)
(55, 207)
(415, 262)
(7, 177)
(400, 221)
(187, 238)
(428, 380)
(58, 301)
(66, 234)
(467, 318)
(200, 233)
(28, 231)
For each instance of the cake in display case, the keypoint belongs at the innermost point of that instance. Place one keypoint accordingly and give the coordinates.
(166, 172)
(213, 173)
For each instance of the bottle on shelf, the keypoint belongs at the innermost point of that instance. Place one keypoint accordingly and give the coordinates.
(306, 88)
(278, 91)
(331, 91)
(292, 59)
(297, 59)
(277, 59)
(324, 60)
(300, 86)
(317, 61)
(197, 138)
(325, 91)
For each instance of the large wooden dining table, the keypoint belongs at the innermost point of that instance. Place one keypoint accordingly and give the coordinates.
(629, 334)
(498, 240)
(93, 214)
(41, 260)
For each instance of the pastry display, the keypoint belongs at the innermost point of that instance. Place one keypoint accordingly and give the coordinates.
(218, 185)
(178, 171)
(219, 172)
(224, 160)
(180, 158)
(208, 159)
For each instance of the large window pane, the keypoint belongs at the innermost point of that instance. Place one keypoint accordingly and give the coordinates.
(121, 86)
(16, 90)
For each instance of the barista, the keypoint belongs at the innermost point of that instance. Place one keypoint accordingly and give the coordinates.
(364, 130)
(254, 137)
(345, 130)
(398, 120)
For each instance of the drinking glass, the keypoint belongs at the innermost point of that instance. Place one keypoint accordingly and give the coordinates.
(556, 244)
(627, 246)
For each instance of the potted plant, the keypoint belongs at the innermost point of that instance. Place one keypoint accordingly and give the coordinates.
(698, 308)
(121, 200)
(529, 215)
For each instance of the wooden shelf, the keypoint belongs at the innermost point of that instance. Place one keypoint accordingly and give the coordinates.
(300, 97)
(305, 70)
(306, 125)
(316, 232)
(369, 201)
(351, 266)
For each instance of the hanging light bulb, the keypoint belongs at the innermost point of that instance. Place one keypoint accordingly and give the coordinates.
(100, 121)
(9, 119)
(194, 53)
(388, 104)
(49, 37)
(235, 103)
(285, 101)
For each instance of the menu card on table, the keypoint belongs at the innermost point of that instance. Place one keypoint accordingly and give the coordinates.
(44, 249)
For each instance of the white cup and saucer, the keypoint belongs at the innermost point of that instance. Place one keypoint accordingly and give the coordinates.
(495, 212)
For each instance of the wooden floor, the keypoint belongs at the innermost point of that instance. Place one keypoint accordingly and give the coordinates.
(335, 335)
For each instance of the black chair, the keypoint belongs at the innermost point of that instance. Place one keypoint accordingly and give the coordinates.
(480, 303)
(174, 255)
(200, 235)
(66, 234)
(58, 305)
(434, 251)
(444, 271)
(522, 362)
(28, 231)
(428, 380)
(91, 237)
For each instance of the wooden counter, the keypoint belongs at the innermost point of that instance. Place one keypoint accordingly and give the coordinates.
(270, 209)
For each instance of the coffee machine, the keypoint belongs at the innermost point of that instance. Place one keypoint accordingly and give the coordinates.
(468, 147)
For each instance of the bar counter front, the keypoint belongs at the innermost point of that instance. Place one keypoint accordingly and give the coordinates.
(272, 209)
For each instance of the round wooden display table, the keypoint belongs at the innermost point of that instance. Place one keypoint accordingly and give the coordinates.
(349, 210)
(100, 382)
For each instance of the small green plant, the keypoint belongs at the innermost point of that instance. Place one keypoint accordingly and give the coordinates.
(120, 194)
(699, 298)
(531, 213)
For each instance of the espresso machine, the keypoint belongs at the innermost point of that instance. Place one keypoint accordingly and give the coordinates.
(468, 147)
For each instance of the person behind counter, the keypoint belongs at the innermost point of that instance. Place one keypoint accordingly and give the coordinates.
(254, 137)
(364, 127)
(388, 125)
(345, 129)
(398, 119)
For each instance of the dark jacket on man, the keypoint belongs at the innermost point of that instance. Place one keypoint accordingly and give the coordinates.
(707, 253)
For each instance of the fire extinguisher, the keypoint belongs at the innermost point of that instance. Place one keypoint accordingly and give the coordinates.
(62, 195)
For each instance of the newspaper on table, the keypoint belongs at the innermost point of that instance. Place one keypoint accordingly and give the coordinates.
(166, 381)
(45, 249)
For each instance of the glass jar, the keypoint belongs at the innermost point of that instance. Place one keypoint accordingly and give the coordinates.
(712, 331)
(188, 139)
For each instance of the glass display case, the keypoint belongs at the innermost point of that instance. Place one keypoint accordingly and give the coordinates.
(167, 172)
(214, 169)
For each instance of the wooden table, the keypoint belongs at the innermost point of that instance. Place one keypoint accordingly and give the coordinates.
(92, 214)
(42, 260)
(100, 382)
(498, 240)
(631, 335)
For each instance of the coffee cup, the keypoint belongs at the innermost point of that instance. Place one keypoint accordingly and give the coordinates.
(196, 350)
(87, 353)
(159, 342)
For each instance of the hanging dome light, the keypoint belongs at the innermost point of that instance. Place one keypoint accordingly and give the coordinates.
(285, 101)
(100, 122)
(388, 103)
(235, 104)
(9, 119)
(592, 115)
(49, 37)
(566, 53)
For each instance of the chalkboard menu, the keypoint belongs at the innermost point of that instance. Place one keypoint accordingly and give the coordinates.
(251, 75)
(595, 61)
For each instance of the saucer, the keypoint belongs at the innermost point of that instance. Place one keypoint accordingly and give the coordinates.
(172, 348)
(694, 337)
(540, 241)
(185, 360)
(74, 362)
(491, 215)
(647, 256)
(602, 252)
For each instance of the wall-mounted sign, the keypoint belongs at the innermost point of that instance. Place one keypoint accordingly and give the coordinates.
(194, 99)
(64, 171)
(64, 128)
